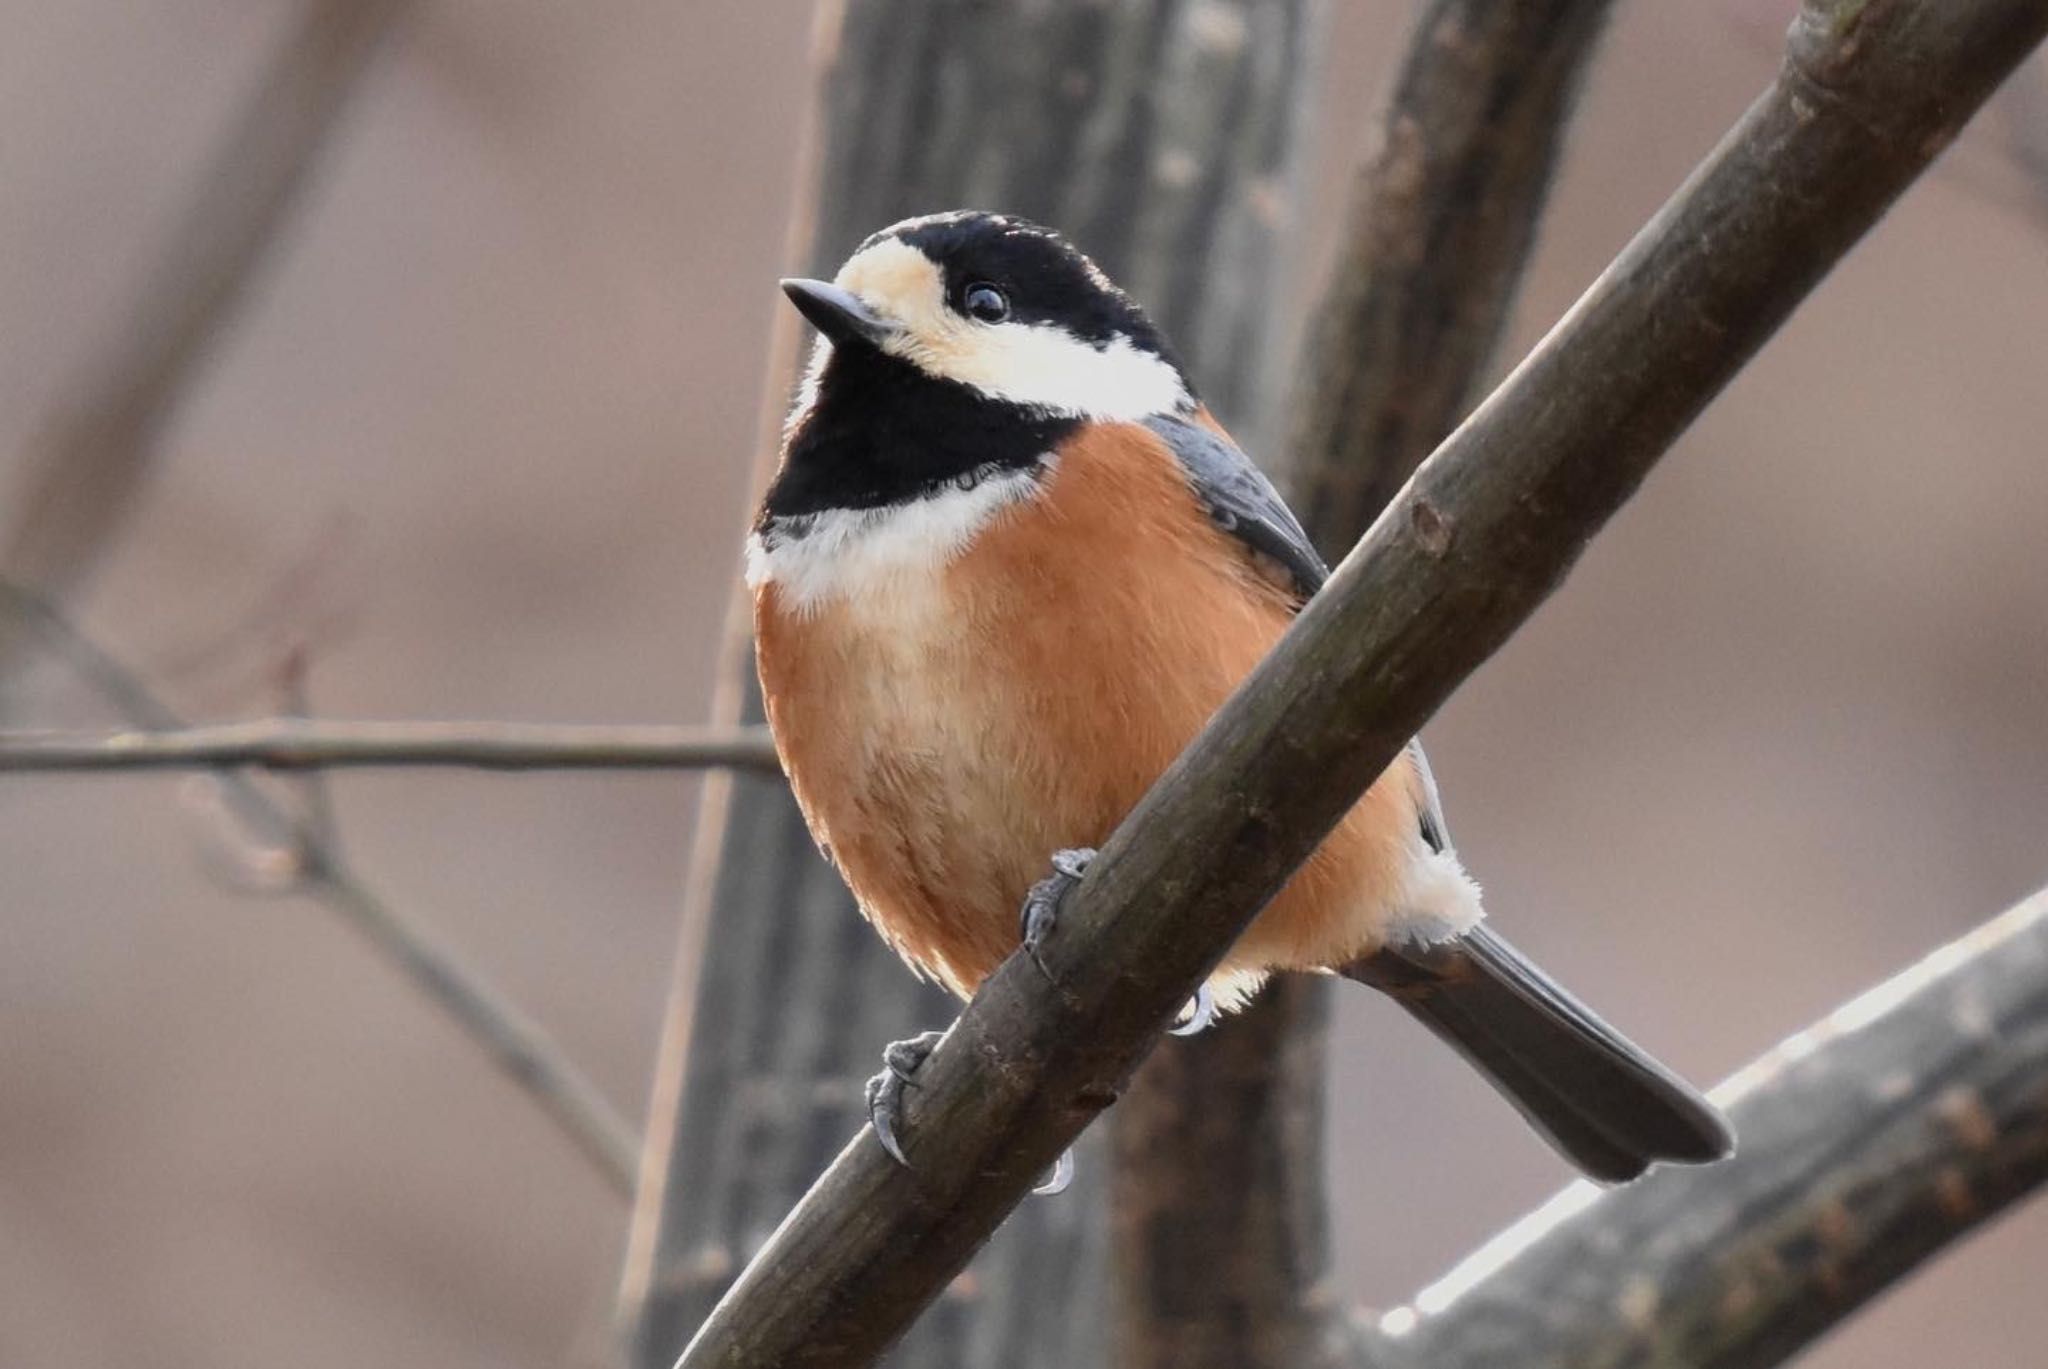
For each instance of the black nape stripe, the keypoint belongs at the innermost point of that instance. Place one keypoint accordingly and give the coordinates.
(884, 432)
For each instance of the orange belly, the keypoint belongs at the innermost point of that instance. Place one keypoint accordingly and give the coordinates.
(946, 732)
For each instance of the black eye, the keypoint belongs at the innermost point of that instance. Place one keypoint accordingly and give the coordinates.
(983, 301)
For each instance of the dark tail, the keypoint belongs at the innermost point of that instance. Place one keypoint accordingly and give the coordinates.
(1607, 1107)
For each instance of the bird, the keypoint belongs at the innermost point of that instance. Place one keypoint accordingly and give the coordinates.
(1006, 569)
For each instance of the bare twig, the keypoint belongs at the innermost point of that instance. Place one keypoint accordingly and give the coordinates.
(321, 823)
(1445, 221)
(1870, 92)
(516, 1044)
(85, 467)
(294, 744)
(1869, 1142)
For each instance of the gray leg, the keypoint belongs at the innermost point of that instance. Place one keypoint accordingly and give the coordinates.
(885, 1105)
(1041, 912)
(1041, 909)
(885, 1090)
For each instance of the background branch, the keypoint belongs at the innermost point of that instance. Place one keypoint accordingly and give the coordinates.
(1871, 90)
(327, 743)
(517, 1045)
(1893, 1127)
(1448, 208)
(83, 470)
(1221, 1252)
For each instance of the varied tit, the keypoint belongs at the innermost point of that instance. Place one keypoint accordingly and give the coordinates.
(1008, 568)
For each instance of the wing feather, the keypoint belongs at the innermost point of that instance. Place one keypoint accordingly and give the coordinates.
(1240, 499)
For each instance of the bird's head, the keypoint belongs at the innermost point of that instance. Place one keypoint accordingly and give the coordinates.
(1003, 308)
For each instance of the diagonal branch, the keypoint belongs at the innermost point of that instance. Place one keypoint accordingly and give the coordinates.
(1218, 1140)
(1871, 90)
(293, 744)
(86, 465)
(1869, 1142)
(516, 1044)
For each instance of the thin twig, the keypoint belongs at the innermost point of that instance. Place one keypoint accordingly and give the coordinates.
(1870, 92)
(293, 744)
(515, 1043)
(1869, 1142)
(322, 821)
(84, 468)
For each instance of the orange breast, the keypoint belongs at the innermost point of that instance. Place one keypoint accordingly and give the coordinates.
(944, 737)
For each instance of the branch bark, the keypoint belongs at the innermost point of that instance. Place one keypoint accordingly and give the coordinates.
(86, 465)
(293, 744)
(1159, 135)
(1891, 1128)
(517, 1045)
(1871, 90)
(1220, 1248)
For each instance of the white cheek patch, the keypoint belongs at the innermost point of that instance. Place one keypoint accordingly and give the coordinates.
(1035, 364)
(847, 553)
(1047, 367)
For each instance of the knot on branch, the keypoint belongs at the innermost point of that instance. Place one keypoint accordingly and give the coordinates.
(1431, 525)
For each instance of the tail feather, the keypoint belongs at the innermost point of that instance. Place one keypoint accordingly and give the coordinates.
(1601, 1101)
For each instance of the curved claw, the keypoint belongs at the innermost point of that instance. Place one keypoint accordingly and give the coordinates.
(1202, 1017)
(885, 1091)
(883, 1119)
(1062, 1175)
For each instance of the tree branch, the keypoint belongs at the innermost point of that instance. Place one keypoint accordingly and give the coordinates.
(326, 743)
(1870, 92)
(1445, 220)
(84, 468)
(515, 1043)
(1870, 1141)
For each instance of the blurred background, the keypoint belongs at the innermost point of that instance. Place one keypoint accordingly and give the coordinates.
(480, 441)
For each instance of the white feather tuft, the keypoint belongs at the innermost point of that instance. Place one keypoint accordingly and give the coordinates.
(1438, 899)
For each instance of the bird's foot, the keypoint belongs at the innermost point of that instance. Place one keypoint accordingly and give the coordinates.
(1041, 909)
(900, 1062)
(885, 1091)
(1041, 913)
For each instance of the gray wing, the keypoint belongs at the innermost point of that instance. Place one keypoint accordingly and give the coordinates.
(1245, 505)
(1241, 500)
(1429, 803)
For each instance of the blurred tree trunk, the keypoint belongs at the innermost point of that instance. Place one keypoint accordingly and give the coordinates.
(1161, 137)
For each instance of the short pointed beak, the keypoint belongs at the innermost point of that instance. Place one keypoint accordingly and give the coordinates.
(838, 314)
